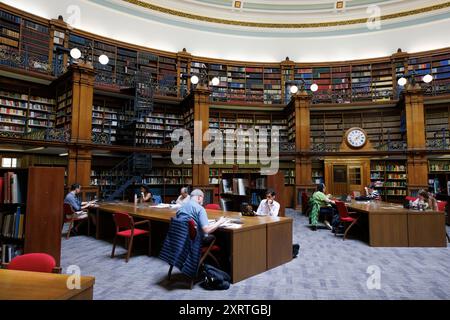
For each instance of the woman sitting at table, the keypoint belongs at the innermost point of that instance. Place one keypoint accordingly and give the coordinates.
(146, 196)
(324, 205)
(425, 201)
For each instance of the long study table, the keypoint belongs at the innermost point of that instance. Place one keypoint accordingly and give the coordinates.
(25, 285)
(391, 225)
(256, 245)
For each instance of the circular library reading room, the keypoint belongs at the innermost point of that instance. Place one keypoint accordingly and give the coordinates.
(224, 150)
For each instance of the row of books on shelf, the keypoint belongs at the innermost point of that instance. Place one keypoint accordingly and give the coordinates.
(389, 167)
(439, 166)
(10, 251)
(10, 188)
(392, 184)
(12, 225)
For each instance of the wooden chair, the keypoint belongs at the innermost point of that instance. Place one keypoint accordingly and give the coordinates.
(35, 262)
(208, 247)
(345, 217)
(125, 228)
(71, 217)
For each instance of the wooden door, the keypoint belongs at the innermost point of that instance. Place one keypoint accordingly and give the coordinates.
(339, 178)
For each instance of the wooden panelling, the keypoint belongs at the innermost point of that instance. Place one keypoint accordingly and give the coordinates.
(249, 253)
(388, 230)
(279, 244)
(43, 219)
(426, 229)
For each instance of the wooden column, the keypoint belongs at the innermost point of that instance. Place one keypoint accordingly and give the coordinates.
(82, 100)
(415, 133)
(303, 179)
(200, 97)
(79, 164)
(79, 167)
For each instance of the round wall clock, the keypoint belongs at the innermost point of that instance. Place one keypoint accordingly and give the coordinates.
(356, 138)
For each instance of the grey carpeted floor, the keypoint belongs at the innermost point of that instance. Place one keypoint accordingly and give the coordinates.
(326, 268)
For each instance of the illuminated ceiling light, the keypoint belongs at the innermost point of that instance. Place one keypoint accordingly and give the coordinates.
(103, 59)
(314, 87)
(294, 89)
(427, 78)
(402, 81)
(194, 79)
(215, 81)
(75, 53)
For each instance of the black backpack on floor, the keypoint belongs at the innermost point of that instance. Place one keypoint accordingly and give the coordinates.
(215, 279)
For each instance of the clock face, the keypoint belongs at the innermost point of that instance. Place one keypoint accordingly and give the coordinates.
(356, 138)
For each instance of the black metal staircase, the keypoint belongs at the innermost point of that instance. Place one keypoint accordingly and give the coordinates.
(129, 171)
(142, 106)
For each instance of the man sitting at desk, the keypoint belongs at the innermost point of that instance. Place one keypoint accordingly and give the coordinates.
(193, 209)
(183, 198)
(74, 201)
(268, 206)
(371, 193)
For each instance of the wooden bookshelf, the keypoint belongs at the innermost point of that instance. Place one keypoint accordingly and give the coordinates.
(22, 112)
(41, 206)
(390, 178)
(64, 104)
(437, 122)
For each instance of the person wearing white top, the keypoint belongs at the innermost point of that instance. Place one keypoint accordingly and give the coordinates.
(183, 198)
(268, 206)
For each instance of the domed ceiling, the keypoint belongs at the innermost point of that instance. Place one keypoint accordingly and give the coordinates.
(290, 14)
(261, 30)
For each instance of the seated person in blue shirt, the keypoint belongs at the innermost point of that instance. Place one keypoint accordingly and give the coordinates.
(372, 193)
(193, 209)
(74, 201)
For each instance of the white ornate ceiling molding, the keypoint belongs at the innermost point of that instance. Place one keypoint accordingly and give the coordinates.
(285, 14)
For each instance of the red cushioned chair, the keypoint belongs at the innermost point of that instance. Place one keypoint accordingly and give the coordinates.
(208, 247)
(71, 218)
(441, 207)
(345, 217)
(409, 198)
(36, 262)
(212, 206)
(125, 228)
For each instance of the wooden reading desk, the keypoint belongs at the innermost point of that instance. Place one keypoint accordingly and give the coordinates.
(256, 245)
(391, 225)
(25, 285)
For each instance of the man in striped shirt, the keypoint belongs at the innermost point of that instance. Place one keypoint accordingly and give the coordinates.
(372, 193)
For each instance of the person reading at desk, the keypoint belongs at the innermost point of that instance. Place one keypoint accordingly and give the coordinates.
(371, 193)
(77, 205)
(268, 206)
(194, 209)
(424, 201)
(183, 198)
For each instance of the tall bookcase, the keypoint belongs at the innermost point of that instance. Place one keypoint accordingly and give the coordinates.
(390, 178)
(437, 121)
(41, 195)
